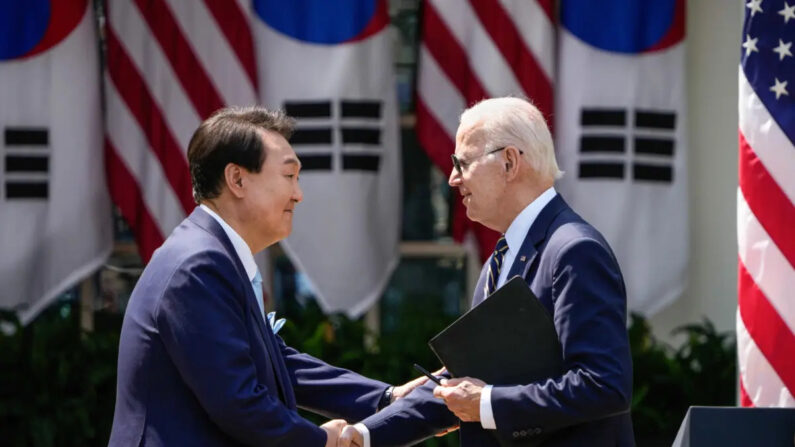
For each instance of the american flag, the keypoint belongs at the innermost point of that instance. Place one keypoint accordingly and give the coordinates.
(170, 65)
(766, 206)
(477, 49)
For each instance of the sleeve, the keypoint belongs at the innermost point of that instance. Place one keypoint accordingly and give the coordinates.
(330, 391)
(590, 319)
(362, 429)
(486, 413)
(410, 420)
(201, 321)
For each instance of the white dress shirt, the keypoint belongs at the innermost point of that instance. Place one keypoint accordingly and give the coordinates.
(515, 236)
(241, 248)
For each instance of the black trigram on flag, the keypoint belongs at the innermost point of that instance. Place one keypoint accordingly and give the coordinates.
(26, 163)
(611, 147)
(324, 125)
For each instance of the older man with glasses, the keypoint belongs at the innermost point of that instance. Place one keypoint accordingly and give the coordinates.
(505, 168)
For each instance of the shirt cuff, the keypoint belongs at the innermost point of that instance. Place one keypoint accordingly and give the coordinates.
(486, 415)
(361, 428)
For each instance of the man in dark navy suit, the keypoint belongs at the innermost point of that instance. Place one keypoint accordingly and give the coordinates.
(505, 168)
(198, 362)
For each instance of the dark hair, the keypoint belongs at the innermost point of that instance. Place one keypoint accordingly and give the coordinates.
(230, 136)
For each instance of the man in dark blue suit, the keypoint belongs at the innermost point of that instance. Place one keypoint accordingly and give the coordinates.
(198, 362)
(505, 168)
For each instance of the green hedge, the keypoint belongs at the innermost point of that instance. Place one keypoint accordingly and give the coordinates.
(57, 383)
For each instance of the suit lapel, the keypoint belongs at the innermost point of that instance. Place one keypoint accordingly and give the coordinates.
(535, 237)
(478, 296)
(205, 221)
(280, 369)
(529, 250)
(524, 258)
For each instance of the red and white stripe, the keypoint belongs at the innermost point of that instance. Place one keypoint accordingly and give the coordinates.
(476, 49)
(766, 268)
(170, 65)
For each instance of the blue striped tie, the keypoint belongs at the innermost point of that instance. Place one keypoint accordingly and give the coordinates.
(495, 265)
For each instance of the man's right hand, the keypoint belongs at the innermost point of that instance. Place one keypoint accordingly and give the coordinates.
(350, 437)
(333, 429)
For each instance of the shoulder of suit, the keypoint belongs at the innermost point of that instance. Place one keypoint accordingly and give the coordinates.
(191, 247)
(569, 229)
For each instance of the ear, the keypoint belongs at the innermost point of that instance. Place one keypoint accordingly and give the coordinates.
(512, 159)
(233, 179)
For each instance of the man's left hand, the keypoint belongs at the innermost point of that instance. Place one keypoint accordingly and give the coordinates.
(462, 397)
(402, 391)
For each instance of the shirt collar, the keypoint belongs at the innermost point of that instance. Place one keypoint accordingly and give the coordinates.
(521, 224)
(241, 247)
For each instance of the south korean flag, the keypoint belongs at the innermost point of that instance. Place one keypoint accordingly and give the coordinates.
(329, 65)
(55, 215)
(620, 130)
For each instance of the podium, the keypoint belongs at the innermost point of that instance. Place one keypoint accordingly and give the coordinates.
(734, 426)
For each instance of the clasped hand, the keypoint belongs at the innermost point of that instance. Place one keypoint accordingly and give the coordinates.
(462, 397)
(333, 429)
(340, 434)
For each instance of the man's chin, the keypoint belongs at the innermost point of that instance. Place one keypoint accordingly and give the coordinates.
(470, 215)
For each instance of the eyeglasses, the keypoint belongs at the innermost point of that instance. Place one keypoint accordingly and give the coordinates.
(460, 165)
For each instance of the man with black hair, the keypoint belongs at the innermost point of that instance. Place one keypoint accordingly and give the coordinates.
(199, 363)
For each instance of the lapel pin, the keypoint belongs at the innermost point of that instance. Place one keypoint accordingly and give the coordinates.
(523, 258)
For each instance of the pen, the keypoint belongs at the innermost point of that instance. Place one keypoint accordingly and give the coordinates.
(429, 375)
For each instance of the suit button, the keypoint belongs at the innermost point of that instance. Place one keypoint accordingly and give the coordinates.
(516, 434)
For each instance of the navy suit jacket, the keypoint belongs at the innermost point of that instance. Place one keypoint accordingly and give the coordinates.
(571, 269)
(198, 365)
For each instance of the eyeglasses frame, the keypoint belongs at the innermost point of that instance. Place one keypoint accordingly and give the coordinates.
(460, 165)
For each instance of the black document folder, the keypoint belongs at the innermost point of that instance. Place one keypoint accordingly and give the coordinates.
(508, 339)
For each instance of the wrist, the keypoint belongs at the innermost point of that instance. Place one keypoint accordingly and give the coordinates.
(364, 434)
(486, 412)
(387, 398)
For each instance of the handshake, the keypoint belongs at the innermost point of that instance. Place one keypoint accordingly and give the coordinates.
(462, 396)
(340, 434)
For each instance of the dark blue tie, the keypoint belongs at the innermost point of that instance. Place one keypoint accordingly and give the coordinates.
(495, 265)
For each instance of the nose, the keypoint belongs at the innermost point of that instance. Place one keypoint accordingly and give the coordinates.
(298, 193)
(455, 178)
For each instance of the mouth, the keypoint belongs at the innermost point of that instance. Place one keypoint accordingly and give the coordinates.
(466, 198)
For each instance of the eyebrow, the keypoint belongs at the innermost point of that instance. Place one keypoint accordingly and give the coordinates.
(293, 161)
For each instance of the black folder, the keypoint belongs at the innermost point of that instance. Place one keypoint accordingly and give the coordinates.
(508, 339)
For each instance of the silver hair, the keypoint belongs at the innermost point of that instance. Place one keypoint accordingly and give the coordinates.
(512, 121)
